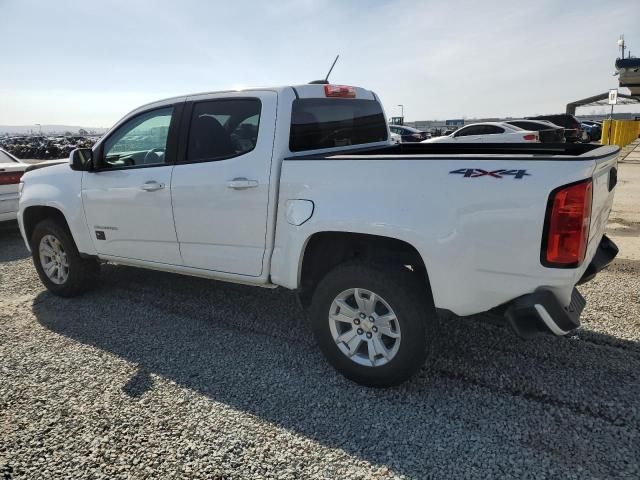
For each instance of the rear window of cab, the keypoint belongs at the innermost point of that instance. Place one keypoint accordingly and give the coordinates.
(335, 122)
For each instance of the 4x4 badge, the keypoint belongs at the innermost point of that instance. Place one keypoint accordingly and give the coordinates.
(478, 172)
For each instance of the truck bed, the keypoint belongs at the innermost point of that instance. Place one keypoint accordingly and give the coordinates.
(474, 212)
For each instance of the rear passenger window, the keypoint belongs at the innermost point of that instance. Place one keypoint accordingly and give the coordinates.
(335, 122)
(492, 129)
(223, 128)
(467, 131)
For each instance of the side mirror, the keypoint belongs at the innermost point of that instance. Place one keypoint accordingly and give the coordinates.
(81, 159)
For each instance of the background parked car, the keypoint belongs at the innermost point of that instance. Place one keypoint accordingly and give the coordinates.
(548, 132)
(489, 132)
(395, 138)
(11, 170)
(572, 130)
(592, 129)
(409, 134)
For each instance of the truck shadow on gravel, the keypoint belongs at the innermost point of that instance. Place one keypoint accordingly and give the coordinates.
(488, 399)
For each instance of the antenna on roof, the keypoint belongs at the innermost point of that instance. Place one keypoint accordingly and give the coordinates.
(326, 79)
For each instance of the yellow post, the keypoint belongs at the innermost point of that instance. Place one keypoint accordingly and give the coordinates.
(617, 129)
(619, 138)
(604, 139)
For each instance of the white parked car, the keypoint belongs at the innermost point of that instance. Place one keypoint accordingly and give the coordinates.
(11, 170)
(488, 132)
(300, 187)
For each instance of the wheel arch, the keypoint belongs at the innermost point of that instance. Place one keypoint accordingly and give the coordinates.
(35, 214)
(325, 250)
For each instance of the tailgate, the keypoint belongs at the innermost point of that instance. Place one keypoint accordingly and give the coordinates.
(605, 177)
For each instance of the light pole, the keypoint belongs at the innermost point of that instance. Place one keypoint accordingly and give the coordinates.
(622, 46)
(401, 112)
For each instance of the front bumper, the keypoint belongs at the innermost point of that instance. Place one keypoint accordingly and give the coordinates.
(541, 311)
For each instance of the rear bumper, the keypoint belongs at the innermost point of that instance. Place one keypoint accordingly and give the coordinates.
(9, 204)
(607, 251)
(7, 216)
(541, 311)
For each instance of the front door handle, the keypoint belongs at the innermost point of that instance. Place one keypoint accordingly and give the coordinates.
(151, 186)
(241, 183)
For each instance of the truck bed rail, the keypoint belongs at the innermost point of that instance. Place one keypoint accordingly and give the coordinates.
(535, 151)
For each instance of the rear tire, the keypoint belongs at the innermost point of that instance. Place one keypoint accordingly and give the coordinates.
(350, 314)
(58, 263)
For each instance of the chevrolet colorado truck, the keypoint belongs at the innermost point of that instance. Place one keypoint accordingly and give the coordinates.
(300, 187)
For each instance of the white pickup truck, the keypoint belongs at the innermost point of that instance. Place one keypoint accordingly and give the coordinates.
(300, 187)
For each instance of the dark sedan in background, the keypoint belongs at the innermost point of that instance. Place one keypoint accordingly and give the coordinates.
(409, 134)
(547, 131)
(573, 131)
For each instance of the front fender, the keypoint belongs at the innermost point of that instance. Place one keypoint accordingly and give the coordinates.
(57, 187)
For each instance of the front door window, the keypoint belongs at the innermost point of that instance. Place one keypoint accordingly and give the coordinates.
(140, 141)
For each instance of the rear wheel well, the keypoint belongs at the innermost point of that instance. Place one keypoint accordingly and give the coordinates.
(327, 250)
(32, 216)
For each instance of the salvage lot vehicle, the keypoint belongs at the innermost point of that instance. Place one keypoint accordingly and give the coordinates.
(300, 187)
(494, 132)
(11, 171)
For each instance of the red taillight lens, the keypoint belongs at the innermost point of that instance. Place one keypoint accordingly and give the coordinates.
(339, 91)
(10, 178)
(567, 225)
(530, 137)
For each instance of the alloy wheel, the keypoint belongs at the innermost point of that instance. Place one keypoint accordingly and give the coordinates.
(364, 327)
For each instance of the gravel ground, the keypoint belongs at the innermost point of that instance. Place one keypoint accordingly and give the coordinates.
(161, 376)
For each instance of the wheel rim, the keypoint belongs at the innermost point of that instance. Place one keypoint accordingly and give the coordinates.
(53, 259)
(364, 327)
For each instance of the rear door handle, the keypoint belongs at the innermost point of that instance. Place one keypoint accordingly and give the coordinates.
(151, 186)
(241, 183)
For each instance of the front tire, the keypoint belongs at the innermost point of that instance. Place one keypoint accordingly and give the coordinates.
(58, 263)
(374, 324)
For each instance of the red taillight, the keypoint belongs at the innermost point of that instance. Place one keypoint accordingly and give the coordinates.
(567, 225)
(339, 91)
(10, 178)
(530, 137)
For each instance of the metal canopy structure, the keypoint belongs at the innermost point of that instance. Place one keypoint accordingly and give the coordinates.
(601, 100)
(628, 70)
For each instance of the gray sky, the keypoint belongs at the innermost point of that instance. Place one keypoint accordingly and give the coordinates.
(90, 62)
